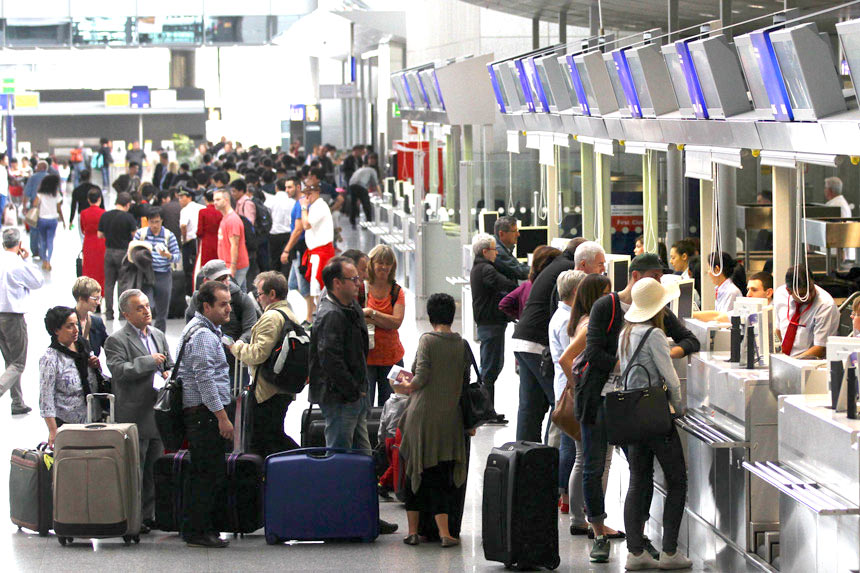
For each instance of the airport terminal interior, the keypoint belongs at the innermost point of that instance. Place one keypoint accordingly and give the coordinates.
(703, 156)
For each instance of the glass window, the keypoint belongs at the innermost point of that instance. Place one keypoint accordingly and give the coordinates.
(501, 88)
(568, 83)
(170, 30)
(101, 31)
(679, 84)
(752, 73)
(33, 32)
(791, 75)
(237, 29)
(518, 85)
(638, 75)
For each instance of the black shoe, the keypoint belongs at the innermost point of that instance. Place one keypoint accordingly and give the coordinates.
(384, 492)
(144, 529)
(499, 419)
(616, 535)
(386, 528)
(579, 530)
(21, 410)
(649, 547)
(150, 523)
(209, 541)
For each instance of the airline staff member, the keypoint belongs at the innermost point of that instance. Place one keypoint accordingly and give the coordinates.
(804, 325)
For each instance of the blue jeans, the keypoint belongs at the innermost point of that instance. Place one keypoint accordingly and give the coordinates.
(566, 458)
(492, 339)
(536, 396)
(346, 425)
(106, 178)
(377, 376)
(297, 280)
(594, 445)
(161, 293)
(47, 229)
(2, 207)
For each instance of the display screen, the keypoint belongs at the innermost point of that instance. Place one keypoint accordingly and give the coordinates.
(679, 84)
(397, 90)
(586, 85)
(638, 75)
(416, 91)
(170, 30)
(752, 73)
(488, 220)
(706, 80)
(619, 274)
(426, 78)
(502, 93)
(851, 49)
(685, 301)
(521, 83)
(102, 31)
(530, 239)
(544, 84)
(568, 83)
(616, 83)
(790, 68)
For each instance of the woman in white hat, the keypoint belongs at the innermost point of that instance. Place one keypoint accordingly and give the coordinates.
(645, 318)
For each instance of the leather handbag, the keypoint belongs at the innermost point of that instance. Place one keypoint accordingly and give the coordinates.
(475, 401)
(168, 405)
(637, 415)
(563, 414)
(31, 217)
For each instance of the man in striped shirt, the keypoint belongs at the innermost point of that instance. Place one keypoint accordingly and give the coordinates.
(205, 397)
(165, 250)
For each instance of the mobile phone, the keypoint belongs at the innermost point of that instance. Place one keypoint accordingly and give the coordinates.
(227, 341)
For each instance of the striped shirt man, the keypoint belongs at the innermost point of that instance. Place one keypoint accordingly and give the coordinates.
(203, 369)
(160, 263)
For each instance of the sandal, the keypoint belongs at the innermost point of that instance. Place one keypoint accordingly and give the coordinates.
(411, 539)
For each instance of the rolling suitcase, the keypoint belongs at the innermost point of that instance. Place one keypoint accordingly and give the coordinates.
(313, 427)
(320, 494)
(97, 479)
(30, 498)
(177, 295)
(520, 511)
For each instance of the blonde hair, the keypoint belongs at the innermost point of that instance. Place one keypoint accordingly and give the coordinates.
(85, 287)
(382, 254)
(656, 320)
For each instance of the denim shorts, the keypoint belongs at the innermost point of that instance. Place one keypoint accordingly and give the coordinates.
(297, 281)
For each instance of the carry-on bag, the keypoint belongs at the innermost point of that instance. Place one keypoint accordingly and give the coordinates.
(520, 505)
(313, 427)
(30, 499)
(97, 479)
(320, 494)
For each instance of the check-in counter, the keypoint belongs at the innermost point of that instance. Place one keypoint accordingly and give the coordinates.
(817, 477)
(712, 336)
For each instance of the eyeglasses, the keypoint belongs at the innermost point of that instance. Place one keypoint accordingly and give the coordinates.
(354, 279)
(96, 298)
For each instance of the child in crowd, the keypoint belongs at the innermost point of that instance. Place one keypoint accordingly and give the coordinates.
(389, 436)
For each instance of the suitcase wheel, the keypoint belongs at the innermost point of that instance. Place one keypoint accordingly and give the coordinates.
(137, 539)
(271, 539)
(127, 539)
(556, 562)
(65, 540)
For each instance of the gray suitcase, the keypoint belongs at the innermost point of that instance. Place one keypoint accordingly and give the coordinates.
(97, 479)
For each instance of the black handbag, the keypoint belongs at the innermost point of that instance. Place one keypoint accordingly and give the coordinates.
(168, 405)
(637, 415)
(475, 399)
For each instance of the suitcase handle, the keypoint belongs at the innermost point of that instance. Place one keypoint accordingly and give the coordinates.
(95, 426)
(111, 405)
(317, 452)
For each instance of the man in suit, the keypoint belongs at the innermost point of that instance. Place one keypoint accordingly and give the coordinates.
(162, 177)
(139, 360)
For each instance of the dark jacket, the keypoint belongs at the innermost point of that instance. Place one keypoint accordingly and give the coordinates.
(243, 313)
(79, 199)
(601, 350)
(136, 272)
(489, 287)
(98, 334)
(534, 321)
(507, 263)
(339, 346)
(158, 173)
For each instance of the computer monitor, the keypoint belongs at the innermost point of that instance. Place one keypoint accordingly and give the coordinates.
(487, 221)
(679, 83)
(720, 77)
(651, 81)
(530, 239)
(430, 85)
(555, 78)
(683, 305)
(617, 270)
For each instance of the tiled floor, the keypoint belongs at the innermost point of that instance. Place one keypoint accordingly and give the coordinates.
(158, 552)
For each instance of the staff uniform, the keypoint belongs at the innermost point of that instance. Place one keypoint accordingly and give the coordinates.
(844, 212)
(817, 319)
(726, 294)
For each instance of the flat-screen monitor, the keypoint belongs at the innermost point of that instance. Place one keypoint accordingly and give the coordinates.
(683, 305)
(487, 221)
(651, 81)
(430, 85)
(521, 81)
(560, 84)
(512, 87)
(691, 80)
(755, 66)
(539, 87)
(621, 101)
(720, 77)
(678, 81)
(581, 85)
(399, 91)
(530, 239)
(806, 63)
(419, 97)
(617, 270)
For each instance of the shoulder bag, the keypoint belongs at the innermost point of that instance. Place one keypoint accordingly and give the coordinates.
(31, 217)
(637, 415)
(475, 399)
(168, 404)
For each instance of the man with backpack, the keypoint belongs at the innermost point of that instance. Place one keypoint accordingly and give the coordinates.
(272, 400)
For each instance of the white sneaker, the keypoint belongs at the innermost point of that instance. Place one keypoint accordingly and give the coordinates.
(640, 562)
(675, 561)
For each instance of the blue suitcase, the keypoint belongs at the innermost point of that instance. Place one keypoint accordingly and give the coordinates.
(320, 494)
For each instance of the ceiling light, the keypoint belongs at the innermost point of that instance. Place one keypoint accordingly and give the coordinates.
(757, 6)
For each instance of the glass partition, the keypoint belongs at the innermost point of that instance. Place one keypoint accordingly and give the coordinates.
(170, 30)
(103, 31)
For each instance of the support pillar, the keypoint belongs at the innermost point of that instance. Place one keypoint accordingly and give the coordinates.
(673, 25)
(535, 33)
(675, 224)
(706, 215)
(726, 17)
(650, 201)
(727, 193)
(182, 68)
(562, 26)
(593, 23)
(586, 154)
(486, 144)
(784, 204)
(603, 206)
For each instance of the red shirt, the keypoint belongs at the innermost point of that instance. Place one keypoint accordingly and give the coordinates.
(232, 226)
(208, 221)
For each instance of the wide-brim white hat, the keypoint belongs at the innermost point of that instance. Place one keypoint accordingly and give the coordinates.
(649, 296)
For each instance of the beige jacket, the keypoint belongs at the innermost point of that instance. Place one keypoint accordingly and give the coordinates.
(264, 336)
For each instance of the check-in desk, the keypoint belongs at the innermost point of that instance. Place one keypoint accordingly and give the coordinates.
(817, 479)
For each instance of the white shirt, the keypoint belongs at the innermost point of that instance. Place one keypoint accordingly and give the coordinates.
(844, 212)
(17, 279)
(4, 181)
(282, 210)
(322, 227)
(48, 205)
(726, 295)
(558, 343)
(188, 217)
(817, 322)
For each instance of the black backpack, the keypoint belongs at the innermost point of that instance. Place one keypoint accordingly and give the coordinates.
(251, 242)
(264, 218)
(288, 366)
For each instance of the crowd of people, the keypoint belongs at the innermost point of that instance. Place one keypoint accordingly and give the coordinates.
(245, 227)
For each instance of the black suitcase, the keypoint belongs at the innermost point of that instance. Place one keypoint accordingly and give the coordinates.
(520, 505)
(177, 296)
(313, 427)
(242, 510)
(31, 500)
